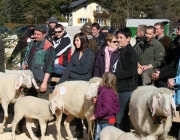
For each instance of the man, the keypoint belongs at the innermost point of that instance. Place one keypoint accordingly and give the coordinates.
(40, 60)
(105, 30)
(98, 36)
(51, 25)
(62, 45)
(165, 40)
(150, 55)
(87, 29)
(140, 34)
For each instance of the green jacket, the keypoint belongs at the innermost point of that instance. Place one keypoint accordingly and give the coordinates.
(154, 54)
(40, 58)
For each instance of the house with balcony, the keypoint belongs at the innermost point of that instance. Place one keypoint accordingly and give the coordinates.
(82, 11)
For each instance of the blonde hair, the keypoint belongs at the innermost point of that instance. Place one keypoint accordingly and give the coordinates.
(109, 80)
(110, 37)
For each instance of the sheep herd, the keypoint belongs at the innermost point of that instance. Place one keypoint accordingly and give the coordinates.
(146, 103)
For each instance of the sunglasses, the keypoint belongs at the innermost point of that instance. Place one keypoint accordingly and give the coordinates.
(115, 41)
(57, 32)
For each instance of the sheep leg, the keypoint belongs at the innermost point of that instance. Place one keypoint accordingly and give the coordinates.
(58, 123)
(90, 129)
(66, 125)
(16, 119)
(163, 137)
(29, 128)
(43, 128)
(5, 109)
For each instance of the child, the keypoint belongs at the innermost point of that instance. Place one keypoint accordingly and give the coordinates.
(107, 105)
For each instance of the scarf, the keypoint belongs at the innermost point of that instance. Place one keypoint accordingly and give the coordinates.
(108, 52)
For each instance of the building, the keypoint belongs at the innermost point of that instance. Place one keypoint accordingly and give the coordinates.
(82, 11)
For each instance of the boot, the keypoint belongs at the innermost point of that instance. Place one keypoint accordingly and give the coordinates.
(79, 135)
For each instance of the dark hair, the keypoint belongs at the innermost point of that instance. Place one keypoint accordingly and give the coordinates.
(109, 80)
(59, 26)
(125, 31)
(84, 41)
(95, 24)
(152, 28)
(161, 24)
(31, 32)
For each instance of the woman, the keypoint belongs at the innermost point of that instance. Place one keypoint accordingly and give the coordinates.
(106, 57)
(126, 74)
(79, 68)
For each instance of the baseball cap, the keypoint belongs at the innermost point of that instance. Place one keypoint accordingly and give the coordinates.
(41, 28)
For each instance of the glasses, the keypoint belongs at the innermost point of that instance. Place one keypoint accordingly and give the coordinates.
(57, 32)
(115, 41)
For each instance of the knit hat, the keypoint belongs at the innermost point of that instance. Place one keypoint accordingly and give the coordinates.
(87, 27)
(41, 28)
(54, 20)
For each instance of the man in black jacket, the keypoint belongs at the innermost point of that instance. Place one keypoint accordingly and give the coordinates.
(99, 37)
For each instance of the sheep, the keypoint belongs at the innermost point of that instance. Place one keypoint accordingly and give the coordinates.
(149, 107)
(113, 133)
(10, 84)
(71, 96)
(32, 108)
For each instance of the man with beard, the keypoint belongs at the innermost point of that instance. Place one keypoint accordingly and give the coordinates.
(150, 55)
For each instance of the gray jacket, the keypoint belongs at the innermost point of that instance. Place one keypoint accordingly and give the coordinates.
(154, 54)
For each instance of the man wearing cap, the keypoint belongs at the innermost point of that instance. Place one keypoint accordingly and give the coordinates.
(50, 31)
(87, 29)
(99, 37)
(40, 60)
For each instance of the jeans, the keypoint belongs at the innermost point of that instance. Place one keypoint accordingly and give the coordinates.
(59, 69)
(122, 118)
(100, 126)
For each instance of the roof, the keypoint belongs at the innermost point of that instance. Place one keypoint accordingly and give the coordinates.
(74, 4)
(148, 22)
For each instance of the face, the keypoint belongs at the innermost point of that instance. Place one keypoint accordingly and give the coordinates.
(122, 40)
(149, 35)
(159, 31)
(77, 42)
(139, 33)
(58, 32)
(178, 32)
(113, 43)
(95, 32)
(52, 25)
(39, 36)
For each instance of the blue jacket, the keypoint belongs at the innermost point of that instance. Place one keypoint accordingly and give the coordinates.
(177, 83)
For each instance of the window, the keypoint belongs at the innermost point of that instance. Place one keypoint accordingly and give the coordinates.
(83, 20)
(85, 7)
(100, 21)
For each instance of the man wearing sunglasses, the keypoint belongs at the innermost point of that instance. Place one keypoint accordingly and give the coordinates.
(62, 45)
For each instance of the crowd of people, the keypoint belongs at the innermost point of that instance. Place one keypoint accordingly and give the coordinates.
(154, 59)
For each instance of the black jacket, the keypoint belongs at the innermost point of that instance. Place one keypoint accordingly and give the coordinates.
(79, 69)
(101, 40)
(126, 70)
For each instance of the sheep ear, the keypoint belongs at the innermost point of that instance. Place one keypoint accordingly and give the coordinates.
(34, 83)
(154, 104)
(18, 83)
(173, 105)
(52, 106)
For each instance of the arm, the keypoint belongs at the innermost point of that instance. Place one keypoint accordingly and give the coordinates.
(96, 72)
(128, 67)
(158, 56)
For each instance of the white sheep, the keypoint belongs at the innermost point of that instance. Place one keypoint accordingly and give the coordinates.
(149, 106)
(10, 84)
(32, 108)
(72, 94)
(113, 133)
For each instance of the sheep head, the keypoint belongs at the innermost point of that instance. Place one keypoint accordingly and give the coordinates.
(93, 87)
(26, 79)
(161, 102)
(56, 103)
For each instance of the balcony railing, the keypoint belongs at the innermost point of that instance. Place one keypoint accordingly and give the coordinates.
(100, 13)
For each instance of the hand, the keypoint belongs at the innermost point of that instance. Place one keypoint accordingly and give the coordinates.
(92, 118)
(140, 71)
(145, 67)
(43, 87)
(24, 67)
(170, 82)
(155, 76)
(94, 99)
